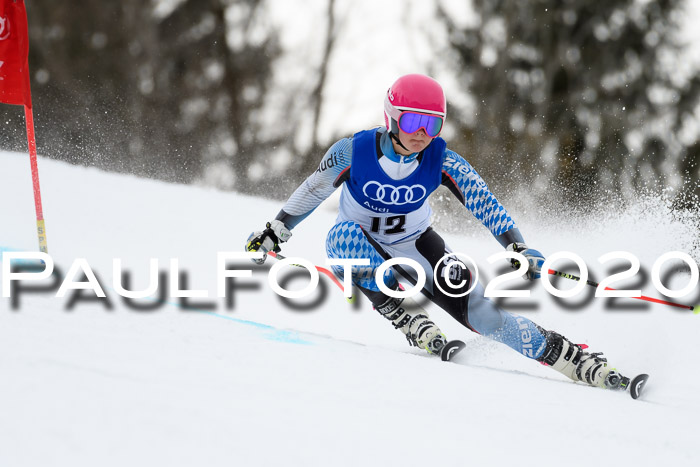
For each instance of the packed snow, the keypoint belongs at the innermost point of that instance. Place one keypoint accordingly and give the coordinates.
(251, 380)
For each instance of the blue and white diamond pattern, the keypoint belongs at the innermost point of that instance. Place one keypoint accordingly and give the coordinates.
(347, 240)
(478, 198)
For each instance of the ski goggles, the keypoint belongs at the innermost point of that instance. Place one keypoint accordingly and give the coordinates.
(410, 122)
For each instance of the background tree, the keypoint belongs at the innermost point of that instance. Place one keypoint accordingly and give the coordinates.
(161, 92)
(588, 94)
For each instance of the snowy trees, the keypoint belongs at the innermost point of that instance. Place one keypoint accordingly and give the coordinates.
(593, 95)
(159, 89)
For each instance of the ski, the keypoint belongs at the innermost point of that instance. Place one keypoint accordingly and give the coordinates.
(451, 349)
(637, 385)
(623, 383)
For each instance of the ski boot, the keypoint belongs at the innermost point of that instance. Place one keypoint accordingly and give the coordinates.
(575, 363)
(415, 323)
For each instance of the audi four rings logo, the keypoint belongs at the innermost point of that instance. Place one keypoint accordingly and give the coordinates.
(396, 195)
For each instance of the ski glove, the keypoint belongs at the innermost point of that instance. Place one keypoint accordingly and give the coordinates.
(535, 259)
(268, 240)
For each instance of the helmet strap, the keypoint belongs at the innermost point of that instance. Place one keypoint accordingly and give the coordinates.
(395, 137)
(394, 133)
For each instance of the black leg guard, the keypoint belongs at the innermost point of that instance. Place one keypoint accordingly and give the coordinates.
(432, 247)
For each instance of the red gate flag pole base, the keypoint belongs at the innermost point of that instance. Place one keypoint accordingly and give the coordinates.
(40, 225)
(15, 88)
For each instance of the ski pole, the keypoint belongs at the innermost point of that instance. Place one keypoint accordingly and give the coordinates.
(323, 270)
(695, 309)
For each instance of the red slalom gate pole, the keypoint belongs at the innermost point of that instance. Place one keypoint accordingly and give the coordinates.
(15, 87)
(31, 142)
(695, 309)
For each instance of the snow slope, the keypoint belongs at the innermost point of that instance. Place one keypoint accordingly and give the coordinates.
(259, 383)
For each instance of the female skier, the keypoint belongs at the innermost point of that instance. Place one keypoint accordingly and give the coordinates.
(387, 175)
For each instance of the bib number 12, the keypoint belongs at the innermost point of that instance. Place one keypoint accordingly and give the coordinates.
(392, 224)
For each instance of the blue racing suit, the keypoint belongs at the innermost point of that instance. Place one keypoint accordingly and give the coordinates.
(385, 213)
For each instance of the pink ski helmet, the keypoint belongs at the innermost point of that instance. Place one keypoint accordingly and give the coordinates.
(415, 93)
